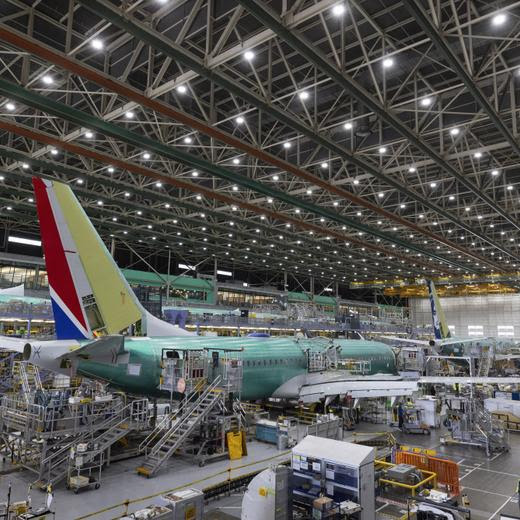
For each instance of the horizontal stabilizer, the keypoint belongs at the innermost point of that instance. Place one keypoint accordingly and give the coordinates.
(108, 349)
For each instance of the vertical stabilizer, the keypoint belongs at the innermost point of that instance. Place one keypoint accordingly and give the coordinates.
(440, 327)
(90, 296)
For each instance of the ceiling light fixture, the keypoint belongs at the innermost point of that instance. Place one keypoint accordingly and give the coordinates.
(96, 44)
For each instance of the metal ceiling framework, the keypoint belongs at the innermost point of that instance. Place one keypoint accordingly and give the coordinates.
(426, 204)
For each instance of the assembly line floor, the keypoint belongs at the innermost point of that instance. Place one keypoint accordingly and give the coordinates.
(490, 483)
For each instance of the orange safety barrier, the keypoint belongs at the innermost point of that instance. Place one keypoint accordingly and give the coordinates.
(447, 471)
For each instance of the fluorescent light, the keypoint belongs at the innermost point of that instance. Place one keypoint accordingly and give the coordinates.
(181, 89)
(327, 289)
(454, 131)
(388, 62)
(412, 169)
(382, 149)
(187, 267)
(10, 106)
(129, 114)
(146, 155)
(236, 160)
(426, 102)
(47, 79)
(239, 120)
(89, 134)
(286, 145)
(494, 172)
(303, 95)
(25, 241)
(347, 126)
(194, 173)
(224, 273)
(477, 155)
(187, 140)
(249, 55)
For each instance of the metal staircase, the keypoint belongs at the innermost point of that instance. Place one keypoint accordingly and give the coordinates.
(27, 376)
(54, 468)
(191, 415)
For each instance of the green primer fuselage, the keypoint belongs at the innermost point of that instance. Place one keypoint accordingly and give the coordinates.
(267, 362)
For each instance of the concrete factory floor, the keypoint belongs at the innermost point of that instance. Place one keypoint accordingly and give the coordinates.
(489, 483)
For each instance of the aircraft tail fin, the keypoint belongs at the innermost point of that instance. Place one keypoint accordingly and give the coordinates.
(440, 327)
(90, 296)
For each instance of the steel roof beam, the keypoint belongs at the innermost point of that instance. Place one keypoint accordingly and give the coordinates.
(172, 50)
(307, 49)
(36, 48)
(211, 194)
(421, 17)
(71, 173)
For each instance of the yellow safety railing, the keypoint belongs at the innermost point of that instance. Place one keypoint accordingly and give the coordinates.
(430, 477)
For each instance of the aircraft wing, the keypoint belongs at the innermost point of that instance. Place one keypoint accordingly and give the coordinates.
(455, 341)
(470, 380)
(420, 342)
(310, 388)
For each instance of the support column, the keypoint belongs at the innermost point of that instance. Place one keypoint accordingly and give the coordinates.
(215, 286)
(168, 278)
(112, 247)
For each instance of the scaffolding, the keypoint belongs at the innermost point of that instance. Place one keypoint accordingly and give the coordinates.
(40, 426)
(198, 427)
(471, 424)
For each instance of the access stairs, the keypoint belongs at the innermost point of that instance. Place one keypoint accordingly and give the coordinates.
(55, 467)
(183, 424)
(26, 377)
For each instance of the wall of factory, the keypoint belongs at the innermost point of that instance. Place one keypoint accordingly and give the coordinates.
(495, 315)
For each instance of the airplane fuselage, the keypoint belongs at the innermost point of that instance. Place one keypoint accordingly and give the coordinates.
(473, 345)
(267, 362)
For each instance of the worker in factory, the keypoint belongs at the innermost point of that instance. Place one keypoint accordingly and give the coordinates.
(400, 414)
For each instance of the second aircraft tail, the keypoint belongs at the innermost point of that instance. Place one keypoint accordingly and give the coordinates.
(440, 327)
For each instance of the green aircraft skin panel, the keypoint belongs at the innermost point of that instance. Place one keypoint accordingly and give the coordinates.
(267, 362)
